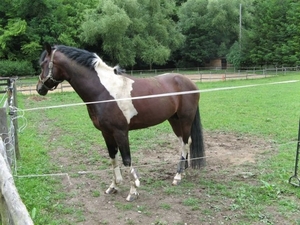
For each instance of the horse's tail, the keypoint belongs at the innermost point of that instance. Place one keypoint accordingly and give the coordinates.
(197, 151)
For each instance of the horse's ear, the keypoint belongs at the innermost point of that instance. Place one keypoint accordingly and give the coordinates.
(48, 48)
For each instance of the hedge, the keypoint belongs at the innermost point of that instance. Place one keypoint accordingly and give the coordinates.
(15, 68)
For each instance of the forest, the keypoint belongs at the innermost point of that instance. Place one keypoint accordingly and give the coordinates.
(146, 34)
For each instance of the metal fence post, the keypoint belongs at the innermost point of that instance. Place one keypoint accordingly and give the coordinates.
(294, 180)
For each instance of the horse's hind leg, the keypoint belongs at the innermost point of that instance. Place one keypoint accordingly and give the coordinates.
(181, 129)
(183, 163)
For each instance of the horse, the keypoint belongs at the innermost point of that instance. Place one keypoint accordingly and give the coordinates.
(122, 110)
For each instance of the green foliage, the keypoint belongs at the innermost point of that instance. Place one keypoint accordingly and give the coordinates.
(15, 68)
(275, 34)
(154, 32)
(14, 29)
(234, 55)
(26, 24)
(193, 23)
(110, 25)
(211, 28)
(133, 30)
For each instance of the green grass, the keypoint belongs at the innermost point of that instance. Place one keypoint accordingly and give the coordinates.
(270, 110)
(267, 111)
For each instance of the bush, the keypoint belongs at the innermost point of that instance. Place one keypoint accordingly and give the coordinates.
(15, 68)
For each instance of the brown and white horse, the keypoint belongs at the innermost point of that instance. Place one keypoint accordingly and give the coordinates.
(94, 81)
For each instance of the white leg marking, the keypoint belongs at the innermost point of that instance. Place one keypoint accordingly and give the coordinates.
(135, 183)
(117, 172)
(118, 86)
(181, 165)
(117, 179)
(177, 179)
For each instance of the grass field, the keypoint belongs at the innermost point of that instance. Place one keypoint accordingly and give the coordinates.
(269, 111)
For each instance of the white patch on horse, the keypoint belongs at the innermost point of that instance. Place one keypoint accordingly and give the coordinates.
(118, 87)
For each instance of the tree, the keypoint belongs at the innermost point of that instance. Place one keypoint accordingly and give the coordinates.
(193, 23)
(290, 47)
(238, 53)
(131, 30)
(234, 55)
(211, 28)
(275, 34)
(14, 29)
(26, 24)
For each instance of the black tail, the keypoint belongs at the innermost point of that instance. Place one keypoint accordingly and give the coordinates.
(197, 150)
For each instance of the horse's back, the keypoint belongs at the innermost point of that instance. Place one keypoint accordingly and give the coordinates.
(164, 83)
(177, 81)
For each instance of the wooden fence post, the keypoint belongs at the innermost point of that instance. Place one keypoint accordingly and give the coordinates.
(5, 215)
(4, 128)
(15, 212)
(12, 101)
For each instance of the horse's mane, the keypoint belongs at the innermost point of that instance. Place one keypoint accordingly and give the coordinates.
(84, 58)
(118, 70)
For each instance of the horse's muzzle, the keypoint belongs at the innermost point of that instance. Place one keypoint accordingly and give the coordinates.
(41, 89)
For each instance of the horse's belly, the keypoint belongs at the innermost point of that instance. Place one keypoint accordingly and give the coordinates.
(152, 112)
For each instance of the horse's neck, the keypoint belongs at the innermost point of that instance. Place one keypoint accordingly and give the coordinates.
(83, 80)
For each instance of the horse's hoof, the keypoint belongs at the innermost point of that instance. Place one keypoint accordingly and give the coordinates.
(132, 197)
(111, 191)
(176, 182)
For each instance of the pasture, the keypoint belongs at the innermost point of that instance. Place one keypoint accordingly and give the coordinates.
(250, 138)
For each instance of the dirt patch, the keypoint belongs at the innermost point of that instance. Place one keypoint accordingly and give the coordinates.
(159, 202)
(37, 98)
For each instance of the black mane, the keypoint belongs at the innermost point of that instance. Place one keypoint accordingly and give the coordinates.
(82, 57)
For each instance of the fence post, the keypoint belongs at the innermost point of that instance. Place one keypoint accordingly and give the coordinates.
(5, 215)
(18, 214)
(12, 101)
(4, 130)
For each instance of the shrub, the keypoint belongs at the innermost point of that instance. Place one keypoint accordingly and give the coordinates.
(15, 68)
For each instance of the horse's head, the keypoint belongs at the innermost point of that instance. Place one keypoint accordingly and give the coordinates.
(50, 76)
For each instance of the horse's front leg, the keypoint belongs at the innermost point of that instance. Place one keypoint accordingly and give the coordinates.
(123, 144)
(112, 148)
(182, 165)
(117, 176)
